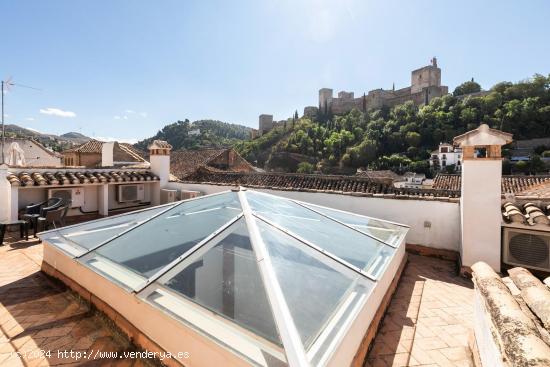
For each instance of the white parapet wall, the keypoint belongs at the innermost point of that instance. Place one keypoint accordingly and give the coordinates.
(433, 223)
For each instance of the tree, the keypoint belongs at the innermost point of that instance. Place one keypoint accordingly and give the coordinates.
(305, 167)
(413, 138)
(467, 88)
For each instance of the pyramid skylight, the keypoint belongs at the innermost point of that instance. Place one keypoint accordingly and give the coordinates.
(274, 281)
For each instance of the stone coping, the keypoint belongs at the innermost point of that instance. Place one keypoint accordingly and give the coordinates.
(515, 334)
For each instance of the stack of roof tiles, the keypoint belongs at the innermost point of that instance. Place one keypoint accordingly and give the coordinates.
(518, 310)
(509, 184)
(528, 213)
(37, 178)
(354, 185)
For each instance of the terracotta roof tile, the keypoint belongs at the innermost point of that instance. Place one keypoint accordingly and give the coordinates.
(38, 178)
(509, 184)
(92, 146)
(184, 162)
(353, 185)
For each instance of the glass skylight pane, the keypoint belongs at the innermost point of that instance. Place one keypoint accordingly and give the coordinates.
(223, 276)
(322, 295)
(91, 234)
(156, 243)
(390, 233)
(349, 245)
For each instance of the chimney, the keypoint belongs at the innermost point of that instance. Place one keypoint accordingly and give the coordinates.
(480, 201)
(107, 154)
(159, 156)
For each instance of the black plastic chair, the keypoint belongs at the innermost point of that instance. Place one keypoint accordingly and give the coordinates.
(34, 211)
(55, 216)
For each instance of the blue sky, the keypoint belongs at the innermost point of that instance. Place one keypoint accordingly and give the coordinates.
(125, 68)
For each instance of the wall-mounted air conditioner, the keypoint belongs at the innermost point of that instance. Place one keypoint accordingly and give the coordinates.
(168, 196)
(130, 193)
(75, 194)
(187, 194)
(527, 248)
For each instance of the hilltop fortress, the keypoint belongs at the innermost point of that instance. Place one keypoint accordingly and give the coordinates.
(425, 86)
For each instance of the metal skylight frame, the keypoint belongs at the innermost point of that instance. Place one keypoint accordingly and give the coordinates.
(308, 206)
(292, 343)
(294, 349)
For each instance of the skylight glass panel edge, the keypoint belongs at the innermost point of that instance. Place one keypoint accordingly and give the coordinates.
(345, 224)
(182, 257)
(94, 248)
(317, 248)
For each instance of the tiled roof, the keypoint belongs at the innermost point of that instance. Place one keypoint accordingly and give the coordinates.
(133, 152)
(184, 162)
(379, 175)
(95, 146)
(92, 146)
(54, 178)
(510, 184)
(353, 185)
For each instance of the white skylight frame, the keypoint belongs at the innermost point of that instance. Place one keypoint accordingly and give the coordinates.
(293, 347)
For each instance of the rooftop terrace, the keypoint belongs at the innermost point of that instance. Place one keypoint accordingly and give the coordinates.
(427, 323)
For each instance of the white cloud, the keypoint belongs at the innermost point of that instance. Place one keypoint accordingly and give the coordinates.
(143, 114)
(29, 119)
(130, 111)
(125, 117)
(31, 129)
(57, 112)
(116, 117)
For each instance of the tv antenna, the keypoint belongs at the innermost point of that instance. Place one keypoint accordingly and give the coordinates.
(6, 86)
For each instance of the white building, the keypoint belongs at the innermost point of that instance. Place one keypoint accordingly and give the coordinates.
(35, 154)
(100, 190)
(446, 155)
(412, 180)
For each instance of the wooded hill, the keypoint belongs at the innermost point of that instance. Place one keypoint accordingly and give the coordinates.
(402, 138)
(199, 134)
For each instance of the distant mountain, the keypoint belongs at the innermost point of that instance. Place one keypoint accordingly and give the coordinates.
(56, 142)
(199, 134)
(74, 135)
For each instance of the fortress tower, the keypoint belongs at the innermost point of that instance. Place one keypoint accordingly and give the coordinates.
(427, 76)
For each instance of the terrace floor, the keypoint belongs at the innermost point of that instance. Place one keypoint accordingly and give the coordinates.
(427, 323)
(429, 319)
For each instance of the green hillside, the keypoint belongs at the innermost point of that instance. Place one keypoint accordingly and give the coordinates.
(199, 134)
(402, 138)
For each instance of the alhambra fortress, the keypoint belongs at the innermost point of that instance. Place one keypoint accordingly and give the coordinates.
(425, 85)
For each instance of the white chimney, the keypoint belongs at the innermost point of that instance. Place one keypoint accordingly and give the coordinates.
(107, 154)
(159, 157)
(480, 201)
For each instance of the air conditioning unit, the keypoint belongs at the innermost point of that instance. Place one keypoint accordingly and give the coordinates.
(130, 193)
(75, 194)
(186, 194)
(167, 196)
(527, 248)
